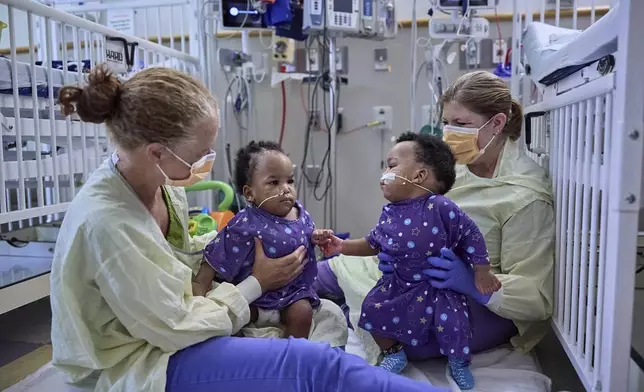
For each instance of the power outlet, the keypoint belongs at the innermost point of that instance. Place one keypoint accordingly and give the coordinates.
(312, 173)
(315, 119)
(313, 61)
(499, 49)
(384, 114)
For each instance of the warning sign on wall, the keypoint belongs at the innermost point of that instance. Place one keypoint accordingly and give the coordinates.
(121, 21)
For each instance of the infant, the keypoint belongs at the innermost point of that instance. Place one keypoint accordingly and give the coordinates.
(264, 175)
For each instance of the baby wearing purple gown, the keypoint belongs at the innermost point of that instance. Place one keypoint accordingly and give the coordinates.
(403, 309)
(264, 174)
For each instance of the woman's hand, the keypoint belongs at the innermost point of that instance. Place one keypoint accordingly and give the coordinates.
(450, 272)
(273, 274)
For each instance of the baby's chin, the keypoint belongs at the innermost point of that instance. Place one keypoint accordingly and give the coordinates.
(280, 209)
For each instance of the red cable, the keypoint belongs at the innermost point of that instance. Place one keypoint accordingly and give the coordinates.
(283, 114)
(507, 56)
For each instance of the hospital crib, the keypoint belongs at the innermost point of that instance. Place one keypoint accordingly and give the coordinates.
(45, 157)
(166, 22)
(581, 86)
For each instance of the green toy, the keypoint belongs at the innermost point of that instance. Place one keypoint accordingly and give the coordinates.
(203, 221)
(201, 224)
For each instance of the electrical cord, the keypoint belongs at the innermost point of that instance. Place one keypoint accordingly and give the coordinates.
(283, 126)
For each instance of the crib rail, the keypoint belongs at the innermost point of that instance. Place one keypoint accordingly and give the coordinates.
(171, 23)
(45, 157)
(589, 140)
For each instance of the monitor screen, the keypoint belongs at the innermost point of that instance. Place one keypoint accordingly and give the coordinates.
(239, 14)
(342, 6)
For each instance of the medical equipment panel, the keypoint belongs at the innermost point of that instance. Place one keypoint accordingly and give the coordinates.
(455, 29)
(332, 15)
(458, 5)
(377, 20)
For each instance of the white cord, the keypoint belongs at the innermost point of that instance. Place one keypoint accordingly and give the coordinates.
(414, 47)
(423, 42)
(261, 41)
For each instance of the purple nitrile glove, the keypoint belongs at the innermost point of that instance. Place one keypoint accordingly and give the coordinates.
(386, 263)
(450, 272)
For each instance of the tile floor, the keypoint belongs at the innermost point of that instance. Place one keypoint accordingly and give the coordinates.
(24, 341)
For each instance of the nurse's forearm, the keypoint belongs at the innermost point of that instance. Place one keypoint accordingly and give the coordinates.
(250, 289)
(358, 247)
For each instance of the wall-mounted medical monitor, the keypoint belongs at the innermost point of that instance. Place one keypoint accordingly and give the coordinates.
(240, 14)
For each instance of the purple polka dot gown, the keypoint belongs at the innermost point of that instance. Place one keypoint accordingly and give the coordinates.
(232, 252)
(403, 306)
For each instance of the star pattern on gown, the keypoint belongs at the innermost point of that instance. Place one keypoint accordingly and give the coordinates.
(423, 320)
(440, 328)
(415, 231)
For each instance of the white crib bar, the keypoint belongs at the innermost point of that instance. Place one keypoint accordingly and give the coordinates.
(18, 126)
(40, 198)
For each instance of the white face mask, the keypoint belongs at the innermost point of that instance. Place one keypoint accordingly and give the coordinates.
(389, 177)
(198, 170)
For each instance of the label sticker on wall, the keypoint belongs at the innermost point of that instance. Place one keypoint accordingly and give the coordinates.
(121, 21)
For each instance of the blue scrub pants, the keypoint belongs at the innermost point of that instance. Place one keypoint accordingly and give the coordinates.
(229, 364)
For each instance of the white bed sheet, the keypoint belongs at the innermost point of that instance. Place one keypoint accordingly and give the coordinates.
(499, 370)
(550, 48)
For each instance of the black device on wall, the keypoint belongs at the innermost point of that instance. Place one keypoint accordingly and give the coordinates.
(239, 14)
(469, 4)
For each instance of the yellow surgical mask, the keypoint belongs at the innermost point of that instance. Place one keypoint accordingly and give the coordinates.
(464, 142)
(198, 170)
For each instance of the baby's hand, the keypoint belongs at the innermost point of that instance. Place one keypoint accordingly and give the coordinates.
(198, 290)
(321, 237)
(332, 247)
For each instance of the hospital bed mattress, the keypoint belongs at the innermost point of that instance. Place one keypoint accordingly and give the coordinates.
(24, 77)
(553, 53)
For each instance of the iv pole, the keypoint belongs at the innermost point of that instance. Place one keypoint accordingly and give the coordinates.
(333, 130)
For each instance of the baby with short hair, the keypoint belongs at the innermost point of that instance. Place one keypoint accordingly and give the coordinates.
(403, 309)
(264, 175)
